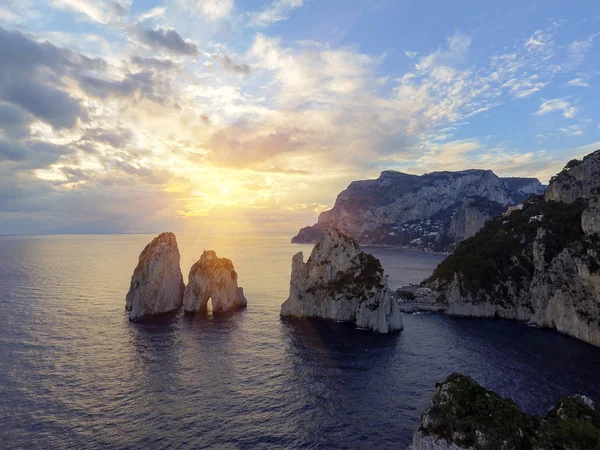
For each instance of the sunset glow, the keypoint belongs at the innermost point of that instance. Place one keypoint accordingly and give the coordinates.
(190, 109)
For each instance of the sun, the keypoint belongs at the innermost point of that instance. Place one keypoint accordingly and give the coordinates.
(224, 190)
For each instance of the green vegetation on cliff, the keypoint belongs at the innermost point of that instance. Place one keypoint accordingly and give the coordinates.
(502, 248)
(470, 416)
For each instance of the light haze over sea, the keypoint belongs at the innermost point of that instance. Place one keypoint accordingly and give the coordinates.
(76, 374)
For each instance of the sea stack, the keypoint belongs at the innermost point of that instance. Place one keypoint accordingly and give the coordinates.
(157, 282)
(465, 415)
(339, 282)
(213, 278)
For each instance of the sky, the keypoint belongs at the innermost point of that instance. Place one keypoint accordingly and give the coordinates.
(127, 116)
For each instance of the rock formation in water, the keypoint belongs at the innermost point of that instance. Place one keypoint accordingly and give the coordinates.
(215, 279)
(432, 212)
(540, 264)
(464, 415)
(339, 282)
(157, 283)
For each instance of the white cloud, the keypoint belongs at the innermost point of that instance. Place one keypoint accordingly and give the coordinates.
(101, 11)
(455, 53)
(154, 12)
(557, 104)
(524, 87)
(572, 130)
(578, 82)
(211, 9)
(410, 54)
(277, 11)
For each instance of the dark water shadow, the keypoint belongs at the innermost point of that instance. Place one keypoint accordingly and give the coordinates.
(341, 381)
(533, 366)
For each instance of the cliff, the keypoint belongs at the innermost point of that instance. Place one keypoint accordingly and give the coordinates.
(431, 212)
(339, 282)
(540, 264)
(157, 283)
(464, 415)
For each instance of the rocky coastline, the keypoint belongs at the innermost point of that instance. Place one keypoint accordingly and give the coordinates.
(540, 264)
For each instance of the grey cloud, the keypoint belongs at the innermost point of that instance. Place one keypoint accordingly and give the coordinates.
(14, 122)
(18, 50)
(169, 40)
(117, 139)
(144, 85)
(118, 9)
(30, 74)
(155, 63)
(230, 66)
(49, 104)
(31, 154)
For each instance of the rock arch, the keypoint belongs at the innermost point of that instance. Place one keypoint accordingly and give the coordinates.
(213, 278)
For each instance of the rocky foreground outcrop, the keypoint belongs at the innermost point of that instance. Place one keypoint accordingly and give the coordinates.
(215, 279)
(157, 282)
(339, 282)
(464, 415)
(540, 264)
(432, 212)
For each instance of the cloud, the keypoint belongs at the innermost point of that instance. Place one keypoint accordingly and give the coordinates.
(241, 146)
(164, 64)
(101, 11)
(157, 11)
(168, 40)
(454, 53)
(578, 49)
(211, 9)
(580, 82)
(521, 88)
(230, 66)
(410, 54)
(49, 104)
(572, 130)
(276, 12)
(557, 104)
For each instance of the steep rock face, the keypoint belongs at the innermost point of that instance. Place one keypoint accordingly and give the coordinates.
(471, 217)
(416, 211)
(340, 282)
(464, 415)
(157, 283)
(590, 219)
(579, 179)
(540, 265)
(215, 279)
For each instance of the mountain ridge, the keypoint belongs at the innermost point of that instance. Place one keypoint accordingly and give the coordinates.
(417, 211)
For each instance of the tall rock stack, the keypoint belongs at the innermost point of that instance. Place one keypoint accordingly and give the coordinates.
(157, 282)
(339, 282)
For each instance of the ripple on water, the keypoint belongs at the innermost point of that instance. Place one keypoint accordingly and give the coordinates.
(75, 373)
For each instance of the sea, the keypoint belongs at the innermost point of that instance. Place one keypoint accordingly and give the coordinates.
(75, 374)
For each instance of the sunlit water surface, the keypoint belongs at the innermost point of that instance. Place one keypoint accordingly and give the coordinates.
(74, 373)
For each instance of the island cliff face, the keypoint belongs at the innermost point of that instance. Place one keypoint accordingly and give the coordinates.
(464, 415)
(540, 264)
(432, 212)
(215, 279)
(340, 282)
(157, 283)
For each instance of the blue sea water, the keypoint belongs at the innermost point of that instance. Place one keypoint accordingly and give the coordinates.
(74, 373)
